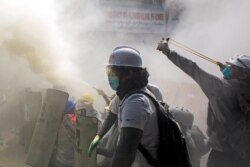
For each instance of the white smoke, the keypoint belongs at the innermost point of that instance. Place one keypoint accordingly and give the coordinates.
(218, 29)
(61, 31)
(31, 44)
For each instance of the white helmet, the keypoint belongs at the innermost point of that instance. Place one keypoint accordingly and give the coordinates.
(241, 61)
(125, 56)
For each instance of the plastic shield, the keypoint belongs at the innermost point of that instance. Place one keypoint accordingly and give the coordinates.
(85, 132)
(32, 106)
(45, 133)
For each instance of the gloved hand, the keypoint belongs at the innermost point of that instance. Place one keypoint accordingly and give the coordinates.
(93, 144)
(163, 46)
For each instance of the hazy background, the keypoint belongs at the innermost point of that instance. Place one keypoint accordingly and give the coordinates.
(52, 41)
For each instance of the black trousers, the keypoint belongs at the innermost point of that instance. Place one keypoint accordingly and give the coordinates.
(225, 159)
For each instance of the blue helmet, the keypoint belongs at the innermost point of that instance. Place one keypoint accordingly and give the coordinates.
(69, 106)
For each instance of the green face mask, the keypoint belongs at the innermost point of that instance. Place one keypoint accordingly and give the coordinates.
(113, 82)
(227, 72)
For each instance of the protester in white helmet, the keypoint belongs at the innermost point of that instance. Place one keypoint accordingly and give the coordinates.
(112, 136)
(225, 129)
(137, 119)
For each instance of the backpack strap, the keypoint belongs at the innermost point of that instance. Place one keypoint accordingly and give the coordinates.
(147, 155)
(148, 94)
(141, 148)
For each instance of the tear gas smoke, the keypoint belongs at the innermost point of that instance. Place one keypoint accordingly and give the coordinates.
(32, 38)
(213, 28)
(37, 33)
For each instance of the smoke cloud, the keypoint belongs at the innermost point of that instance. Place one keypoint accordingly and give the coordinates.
(52, 40)
(32, 48)
(219, 30)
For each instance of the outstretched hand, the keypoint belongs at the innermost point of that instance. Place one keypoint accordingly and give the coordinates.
(104, 95)
(100, 92)
(163, 46)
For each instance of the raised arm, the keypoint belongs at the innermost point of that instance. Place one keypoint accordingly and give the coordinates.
(208, 82)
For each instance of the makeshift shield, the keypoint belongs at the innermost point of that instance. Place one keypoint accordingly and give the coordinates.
(85, 132)
(45, 133)
(32, 106)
